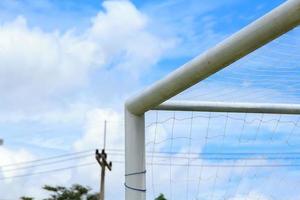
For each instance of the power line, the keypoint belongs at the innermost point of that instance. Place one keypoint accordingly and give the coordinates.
(162, 154)
(166, 157)
(46, 163)
(156, 164)
(46, 158)
(48, 171)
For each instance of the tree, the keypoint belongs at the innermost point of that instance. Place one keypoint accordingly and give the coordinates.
(75, 192)
(27, 198)
(161, 197)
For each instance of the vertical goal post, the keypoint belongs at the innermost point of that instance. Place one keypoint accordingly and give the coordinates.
(269, 27)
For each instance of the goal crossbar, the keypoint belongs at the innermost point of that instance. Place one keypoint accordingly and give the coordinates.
(269, 27)
(236, 107)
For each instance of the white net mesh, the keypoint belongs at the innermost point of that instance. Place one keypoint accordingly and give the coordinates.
(192, 155)
(270, 74)
(230, 156)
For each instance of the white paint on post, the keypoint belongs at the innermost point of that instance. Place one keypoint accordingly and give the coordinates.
(135, 164)
(205, 106)
(257, 34)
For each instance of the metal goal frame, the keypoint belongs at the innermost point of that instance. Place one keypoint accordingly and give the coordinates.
(269, 27)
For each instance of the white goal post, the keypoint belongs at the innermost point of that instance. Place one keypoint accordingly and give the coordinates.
(205, 106)
(269, 27)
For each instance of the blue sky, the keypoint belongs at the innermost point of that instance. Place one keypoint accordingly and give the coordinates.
(66, 66)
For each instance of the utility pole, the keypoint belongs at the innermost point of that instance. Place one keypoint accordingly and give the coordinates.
(101, 159)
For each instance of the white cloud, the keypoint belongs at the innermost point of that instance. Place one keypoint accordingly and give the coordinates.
(93, 138)
(71, 113)
(42, 68)
(94, 129)
(250, 196)
(11, 157)
(41, 63)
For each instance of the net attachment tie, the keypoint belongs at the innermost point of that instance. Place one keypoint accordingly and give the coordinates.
(135, 189)
(132, 174)
(136, 173)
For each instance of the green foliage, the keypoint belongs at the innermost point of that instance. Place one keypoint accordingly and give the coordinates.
(93, 197)
(161, 197)
(75, 192)
(27, 198)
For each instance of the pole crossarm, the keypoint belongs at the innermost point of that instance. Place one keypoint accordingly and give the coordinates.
(101, 159)
(269, 27)
(236, 107)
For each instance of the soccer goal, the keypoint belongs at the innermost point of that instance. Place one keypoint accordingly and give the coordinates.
(259, 33)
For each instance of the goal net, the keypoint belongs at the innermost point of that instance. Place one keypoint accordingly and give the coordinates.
(203, 155)
(232, 136)
(232, 156)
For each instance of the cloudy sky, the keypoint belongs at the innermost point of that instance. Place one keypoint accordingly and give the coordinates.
(67, 66)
